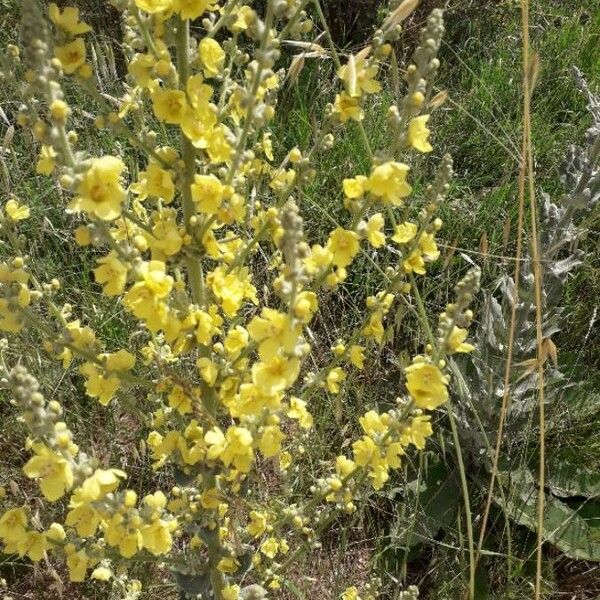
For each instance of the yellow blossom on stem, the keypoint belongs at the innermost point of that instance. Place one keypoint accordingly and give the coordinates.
(426, 384)
(388, 182)
(71, 55)
(418, 134)
(67, 19)
(212, 57)
(100, 193)
(52, 470)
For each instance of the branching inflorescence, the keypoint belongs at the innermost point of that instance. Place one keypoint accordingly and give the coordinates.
(222, 365)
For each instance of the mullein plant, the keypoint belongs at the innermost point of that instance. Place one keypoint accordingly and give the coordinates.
(481, 376)
(221, 365)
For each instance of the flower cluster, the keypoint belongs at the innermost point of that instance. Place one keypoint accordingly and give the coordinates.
(179, 220)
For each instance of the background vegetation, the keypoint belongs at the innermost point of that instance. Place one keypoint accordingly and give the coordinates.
(480, 126)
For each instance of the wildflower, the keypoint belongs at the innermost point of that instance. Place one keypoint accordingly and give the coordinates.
(346, 108)
(344, 246)
(305, 306)
(12, 525)
(357, 357)
(207, 193)
(414, 263)
(404, 232)
(270, 441)
(111, 274)
(156, 536)
(212, 57)
(418, 134)
(350, 593)
(298, 411)
(358, 76)
(231, 592)
(273, 331)
(276, 375)
(428, 246)
(101, 574)
(34, 545)
(53, 471)
(156, 182)
(426, 384)
(71, 55)
(388, 182)
(374, 234)
(100, 192)
(354, 187)
(170, 106)
(257, 525)
(456, 340)
(334, 379)
(47, 161)
(270, 547)
(67, 20)
(77, 563)
(16, 211)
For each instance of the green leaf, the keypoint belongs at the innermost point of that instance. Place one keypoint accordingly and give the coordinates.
(571, 531)
(566, 478)
(436, 499)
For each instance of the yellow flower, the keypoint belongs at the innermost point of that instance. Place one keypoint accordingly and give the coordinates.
(157, 183)
(357, 357)
(257, 525)
(100, 483)
(47, 161)
(67, 20)
(101, 574)
(100, 193)
(456, 341)
(207, 193)
(346, 107)
(157, 537)
(52, 470)
(245, 16)
(276, 375)
(212, 57)
(334, 378)
(111, 274)
(404, 232)
(154, 6)
(354, 187)
(388, 182)
(344, 246)
(374, 327)
(34, 545)
(273, 331)
(426, 384)
(231, 592)
(16, 211)
(374, 233)
(77, 562)
(270, 441)
(71, 55)
(418, 134)
(351, 593)
(270, 547)
(414, 263)
(358, 77)
(298, 411)
(145, 298)
(83, 517)
(305, 306)
(12, 525)
(170, 106)
(191, 9)
(428, 246)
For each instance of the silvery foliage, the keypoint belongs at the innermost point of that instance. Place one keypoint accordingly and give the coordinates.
(481, 375)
